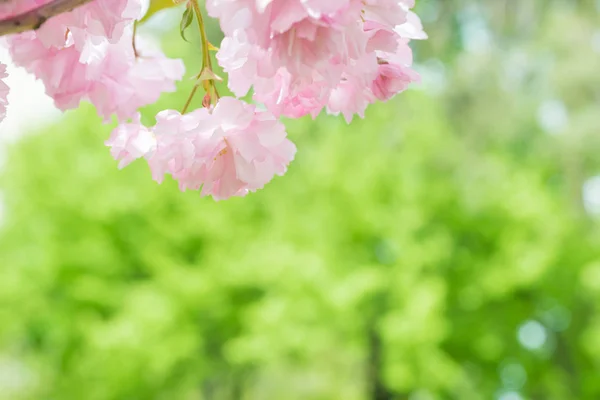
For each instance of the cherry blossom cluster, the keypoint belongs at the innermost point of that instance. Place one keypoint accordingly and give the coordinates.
(299, 57)
(87, 54)
(225, 151)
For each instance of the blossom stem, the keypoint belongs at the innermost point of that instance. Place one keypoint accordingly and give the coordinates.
(209, 84)
(202, 28)
(33, 19)
(189, 100)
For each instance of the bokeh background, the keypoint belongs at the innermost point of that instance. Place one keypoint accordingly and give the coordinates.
(445, 247)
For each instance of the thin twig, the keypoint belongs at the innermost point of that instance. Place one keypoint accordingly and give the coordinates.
(189, 100)
(135, 51)
(33, 19)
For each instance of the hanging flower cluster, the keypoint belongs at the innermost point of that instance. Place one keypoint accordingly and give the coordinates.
(298, 57)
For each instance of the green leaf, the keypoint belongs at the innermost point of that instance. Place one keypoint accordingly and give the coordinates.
(158, 5)
(186, 21)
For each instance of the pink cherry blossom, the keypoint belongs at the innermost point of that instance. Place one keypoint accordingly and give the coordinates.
(110, 75)
(302, 56)
(3, 92)
(352, 95)
(392, 79)
(297, 35)
(299, 57)
(229, 150)
(87, 54)
(130, 141)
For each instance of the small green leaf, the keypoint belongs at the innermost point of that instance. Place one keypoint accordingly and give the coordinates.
(158, 5)
(186, 21)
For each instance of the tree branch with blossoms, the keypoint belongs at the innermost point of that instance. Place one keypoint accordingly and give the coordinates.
(296, 57)
(33, 19)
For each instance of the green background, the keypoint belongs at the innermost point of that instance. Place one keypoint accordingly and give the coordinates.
(437, 249)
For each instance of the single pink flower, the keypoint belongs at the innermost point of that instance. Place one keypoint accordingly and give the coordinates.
(130, 141)
(229, 150)
(391, 80)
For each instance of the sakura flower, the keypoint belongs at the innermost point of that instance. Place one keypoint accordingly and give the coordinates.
(95, 21)
(130, 141)
(302, 56)
(229, 150)
(282, 96)
(392, 79)
(3, 92)
(59, 69)
(386, 12)
(394, 73)
(412, 28)
(105, 18)
(124, 82)
(353, 94)
(114, 80)
(299, 36)
(87, 54)
(243, 62)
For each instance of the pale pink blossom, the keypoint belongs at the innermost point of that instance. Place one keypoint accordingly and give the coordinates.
(229, 150)
(243, 62)
(283, 96)
(412, 28)
(124, 83)
(300, 36)
(92, 22)
(302, 56)
(95, 21)
(3, 92)
(392, 79)
(130, 141)
(386, 12)
(349, 98)
(113, 79)
(87, 54)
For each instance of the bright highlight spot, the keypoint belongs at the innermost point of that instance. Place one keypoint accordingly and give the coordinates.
(532, 335)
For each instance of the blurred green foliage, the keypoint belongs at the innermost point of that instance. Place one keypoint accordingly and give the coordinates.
(437, 249)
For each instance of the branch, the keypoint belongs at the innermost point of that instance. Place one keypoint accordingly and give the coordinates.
(32, 20)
